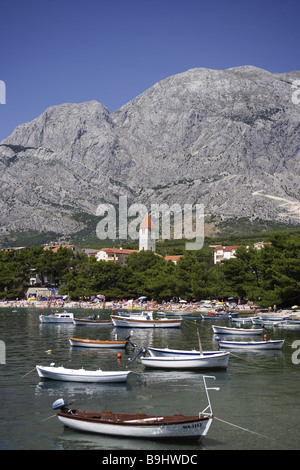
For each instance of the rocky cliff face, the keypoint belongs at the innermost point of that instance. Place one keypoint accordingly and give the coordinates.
(227, 139)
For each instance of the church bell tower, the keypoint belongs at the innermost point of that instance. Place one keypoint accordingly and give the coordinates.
(147, 234)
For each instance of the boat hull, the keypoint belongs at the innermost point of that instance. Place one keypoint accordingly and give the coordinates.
(81, 375)
(236, 331)
(88, 343)
(88, 321)
(214, 361)
(147, 427)
(252, 345)
(127, 322)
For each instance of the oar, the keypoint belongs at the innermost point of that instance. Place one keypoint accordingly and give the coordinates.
(200, 345)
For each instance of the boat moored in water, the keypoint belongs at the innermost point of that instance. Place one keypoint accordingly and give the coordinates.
(63, 317)
(81, 375)
(236, 331)
(91, 321)
(137, 425)
(219, 360)
(145, 320)
(252, 345)
(166, 352)
(97, 343)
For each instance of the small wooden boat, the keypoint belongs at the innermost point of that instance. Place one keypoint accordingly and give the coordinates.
(81, 375)
(137, 425)
(145, 320)
(91, 321)
(97, 343)
(251, 345)
(236, 331)
(64, 317)
(219, 360)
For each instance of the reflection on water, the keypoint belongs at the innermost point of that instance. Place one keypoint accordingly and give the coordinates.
(259, 391)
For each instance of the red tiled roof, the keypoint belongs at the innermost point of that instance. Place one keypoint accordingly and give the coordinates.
(118, 251)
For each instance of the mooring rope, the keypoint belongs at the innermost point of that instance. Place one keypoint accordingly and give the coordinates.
(253, 432)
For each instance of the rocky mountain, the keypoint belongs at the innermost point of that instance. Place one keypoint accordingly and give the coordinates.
(228, 139)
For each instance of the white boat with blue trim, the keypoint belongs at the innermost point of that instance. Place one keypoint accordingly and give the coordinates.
(166, 352)
(226, 330)
(145, 320)
(252, 345)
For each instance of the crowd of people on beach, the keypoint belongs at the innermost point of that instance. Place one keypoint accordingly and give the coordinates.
(128, 304)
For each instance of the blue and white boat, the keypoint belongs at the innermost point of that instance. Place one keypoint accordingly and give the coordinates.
(251, 345)
(226, 330)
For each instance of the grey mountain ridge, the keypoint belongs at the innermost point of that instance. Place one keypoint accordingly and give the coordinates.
(228, 139)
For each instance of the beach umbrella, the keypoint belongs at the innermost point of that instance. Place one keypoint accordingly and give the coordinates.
(295, 306)
(101, 297)
(142, 297)
(182, 301)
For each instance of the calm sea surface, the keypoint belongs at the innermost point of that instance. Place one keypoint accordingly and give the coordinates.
(259, 392)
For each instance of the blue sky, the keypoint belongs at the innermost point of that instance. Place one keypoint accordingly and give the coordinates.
(58, 51)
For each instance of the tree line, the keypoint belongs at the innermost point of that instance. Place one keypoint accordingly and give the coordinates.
(267, 276)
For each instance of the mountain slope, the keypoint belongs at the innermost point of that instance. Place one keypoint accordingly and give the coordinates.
(227, 139)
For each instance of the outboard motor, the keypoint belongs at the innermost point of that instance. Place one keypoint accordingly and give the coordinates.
(60, 404)
(127, 338)
(143, 351)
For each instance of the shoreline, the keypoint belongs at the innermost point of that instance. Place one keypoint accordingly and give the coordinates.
(136, 306)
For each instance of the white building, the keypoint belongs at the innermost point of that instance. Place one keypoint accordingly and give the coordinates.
(117, 255)
(224, 252)
(147, 234)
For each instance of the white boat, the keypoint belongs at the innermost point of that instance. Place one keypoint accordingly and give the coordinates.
(137, 425)
(219, 360)
(251, 345)
(81, 375)
(242, 320)
(236, 331)
(288, 324)
(145, 320)
(97, 343)
(217, 316)
(64, 317)
(268, 319)
(166, 352)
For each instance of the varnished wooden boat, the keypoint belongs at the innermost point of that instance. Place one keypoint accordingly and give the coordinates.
(91, 321)
(97, 343)
(138, 425)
